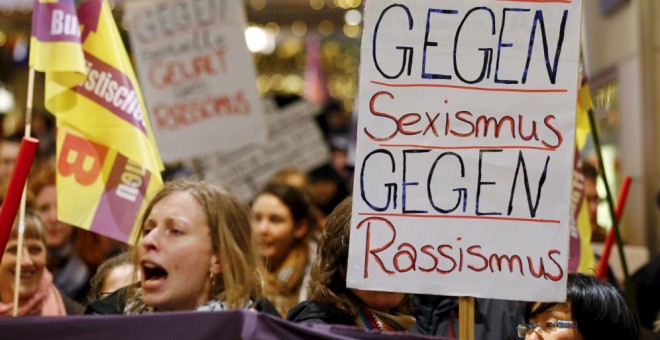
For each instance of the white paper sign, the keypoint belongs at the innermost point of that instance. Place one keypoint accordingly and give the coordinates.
(294, 140)
(197, 75)
(465, 148)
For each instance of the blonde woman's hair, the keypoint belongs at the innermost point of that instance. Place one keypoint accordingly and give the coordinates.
(228, 219)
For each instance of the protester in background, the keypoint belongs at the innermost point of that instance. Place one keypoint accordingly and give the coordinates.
(646, 281)
(37, 295)
(9, 147)
(593, 310)
(298, 179)
(116, 272)
(93, 249)
(70, 273)
(283, 221)
(328, 188)
(293, 177)
(331, 302)
(194, 252)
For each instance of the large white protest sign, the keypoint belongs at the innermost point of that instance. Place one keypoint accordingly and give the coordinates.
(294, 140)
(465, 148)
(197, 75)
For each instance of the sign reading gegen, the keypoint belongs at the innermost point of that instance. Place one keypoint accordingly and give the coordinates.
(465, 148)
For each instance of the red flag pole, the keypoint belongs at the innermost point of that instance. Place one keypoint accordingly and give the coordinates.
(21, 219)
(14, 191)
(601, 270)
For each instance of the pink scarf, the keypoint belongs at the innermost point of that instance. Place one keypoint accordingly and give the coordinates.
(46, 301)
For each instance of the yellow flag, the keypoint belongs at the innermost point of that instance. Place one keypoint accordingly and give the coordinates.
(582, 257)
(56, 46)
(584, 104)
(108, 165)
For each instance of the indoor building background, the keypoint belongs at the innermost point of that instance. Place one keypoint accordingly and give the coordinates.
(621, 49)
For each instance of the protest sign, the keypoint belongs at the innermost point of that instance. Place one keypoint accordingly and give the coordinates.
(197, 75)
(294, 140)
(465, 148)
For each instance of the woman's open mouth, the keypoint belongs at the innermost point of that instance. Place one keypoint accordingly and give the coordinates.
(154, 275)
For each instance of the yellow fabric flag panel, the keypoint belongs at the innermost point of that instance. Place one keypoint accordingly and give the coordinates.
(582, 257)
(106, 103)
(107, 160)
(99, 189)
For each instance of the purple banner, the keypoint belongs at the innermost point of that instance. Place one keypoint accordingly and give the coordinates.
(113, 90)
(192, 325)
(55, 22)
(121, 200)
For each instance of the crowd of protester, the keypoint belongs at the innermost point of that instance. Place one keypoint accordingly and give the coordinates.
(284, 254)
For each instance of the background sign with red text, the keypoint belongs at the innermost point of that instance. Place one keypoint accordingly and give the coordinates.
(197, 75)
(465, 148)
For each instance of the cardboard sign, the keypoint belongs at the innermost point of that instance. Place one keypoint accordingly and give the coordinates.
(294, 139)
(197, 75)
(465, 148)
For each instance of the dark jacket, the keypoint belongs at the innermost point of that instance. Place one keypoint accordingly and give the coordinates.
(314, 312)
(71, 307)
(493, 319)
(115, 303)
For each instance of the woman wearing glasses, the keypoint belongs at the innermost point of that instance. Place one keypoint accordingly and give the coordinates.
(113, 274)
(594, 310)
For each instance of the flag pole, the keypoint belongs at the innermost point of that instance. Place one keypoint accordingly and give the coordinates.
(601, 270)
(21, 215)
(629, 288)
(466, 318)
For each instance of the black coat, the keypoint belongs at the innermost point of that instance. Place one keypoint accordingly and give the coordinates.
(493, 319)
(314, 312)
(115, 303)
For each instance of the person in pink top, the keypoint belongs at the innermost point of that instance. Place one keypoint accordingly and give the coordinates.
(37, 295)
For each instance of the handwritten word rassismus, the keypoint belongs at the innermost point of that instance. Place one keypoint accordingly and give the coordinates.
(446, 257)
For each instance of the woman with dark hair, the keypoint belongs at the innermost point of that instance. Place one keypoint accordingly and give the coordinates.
(282, 220)
(331, 302)
(593, 310)
(116, 272)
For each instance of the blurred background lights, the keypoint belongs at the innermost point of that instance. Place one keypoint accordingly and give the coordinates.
(6, 100)
(258, 4)
(20, 52)
(299, 28)
(259, 40)
(317, 4)
(326, 27)
(353, 17)
(351, 31)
